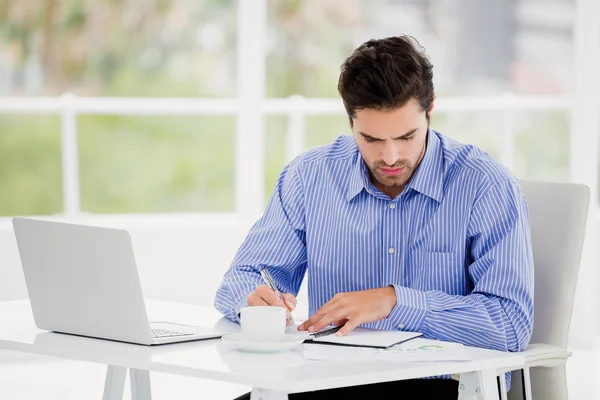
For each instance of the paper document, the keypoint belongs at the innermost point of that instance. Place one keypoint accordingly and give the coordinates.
(411, 351)
(357, 337)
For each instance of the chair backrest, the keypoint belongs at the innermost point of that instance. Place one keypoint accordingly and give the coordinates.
(558, 215)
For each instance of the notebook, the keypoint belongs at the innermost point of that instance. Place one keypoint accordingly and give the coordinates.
(362, 337)
(416, 350)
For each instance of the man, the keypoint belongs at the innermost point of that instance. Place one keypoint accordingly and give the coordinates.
(398, 227)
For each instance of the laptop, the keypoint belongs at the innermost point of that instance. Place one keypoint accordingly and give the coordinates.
(83, 280)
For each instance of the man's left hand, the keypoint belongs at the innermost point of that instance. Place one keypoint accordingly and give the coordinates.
(352, 309)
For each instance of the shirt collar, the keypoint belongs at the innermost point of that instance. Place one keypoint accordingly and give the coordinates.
(359, 177)
(428, 178)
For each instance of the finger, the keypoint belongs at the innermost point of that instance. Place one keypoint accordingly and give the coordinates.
(308, 323)
(269, 296)
(340, 302)
(255, 300)
(339, 322)
(290, 301)
(316, 317)
(325, 308)
(327, 319)
(347, 328)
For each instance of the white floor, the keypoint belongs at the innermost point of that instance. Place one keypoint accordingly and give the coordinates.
(54, 379)
(48, 378)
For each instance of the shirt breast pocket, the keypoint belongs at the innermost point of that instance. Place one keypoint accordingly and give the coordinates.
(439, 270)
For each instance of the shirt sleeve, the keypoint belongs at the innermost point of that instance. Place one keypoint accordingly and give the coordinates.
(276, 241)
(498, 313)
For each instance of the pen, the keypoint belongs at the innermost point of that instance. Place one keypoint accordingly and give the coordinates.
(270, 283)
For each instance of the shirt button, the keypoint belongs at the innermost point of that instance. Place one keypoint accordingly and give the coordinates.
(401, 326)
(392, 205)
(391, 250)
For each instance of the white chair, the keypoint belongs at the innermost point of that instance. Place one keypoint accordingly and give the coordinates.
(558, 215)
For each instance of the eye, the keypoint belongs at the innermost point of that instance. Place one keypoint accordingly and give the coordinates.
(369, 140)
(405, 138)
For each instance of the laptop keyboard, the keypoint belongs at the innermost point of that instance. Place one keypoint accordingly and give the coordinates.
(161, 333)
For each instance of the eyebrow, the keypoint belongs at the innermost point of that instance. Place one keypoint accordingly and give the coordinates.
(399, 137)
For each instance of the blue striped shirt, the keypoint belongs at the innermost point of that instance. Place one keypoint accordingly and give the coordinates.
(455, 244)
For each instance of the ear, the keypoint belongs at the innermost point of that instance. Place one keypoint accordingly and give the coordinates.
(432, 105)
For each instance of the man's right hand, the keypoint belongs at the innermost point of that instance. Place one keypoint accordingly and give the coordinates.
(265, 296)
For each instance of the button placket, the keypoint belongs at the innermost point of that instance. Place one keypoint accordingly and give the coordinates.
(389, 242)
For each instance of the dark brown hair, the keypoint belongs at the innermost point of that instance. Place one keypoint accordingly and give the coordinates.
(385, 74)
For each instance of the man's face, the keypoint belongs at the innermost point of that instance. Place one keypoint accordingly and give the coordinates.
(392, 144)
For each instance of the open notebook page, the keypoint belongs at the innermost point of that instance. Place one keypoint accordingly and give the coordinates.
(358, 337)
(368, 338)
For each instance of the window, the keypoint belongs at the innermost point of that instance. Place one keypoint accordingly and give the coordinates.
(118, 48)
(156, 164)
(487, 57)
(478, 48)
(124, 48)
(30, 165)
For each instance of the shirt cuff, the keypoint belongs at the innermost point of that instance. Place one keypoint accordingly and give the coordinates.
(410, 310)
(241, 304)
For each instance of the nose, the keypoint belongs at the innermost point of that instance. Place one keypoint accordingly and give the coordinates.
(390, 154)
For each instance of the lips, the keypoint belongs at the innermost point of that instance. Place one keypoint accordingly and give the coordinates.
(391, 171)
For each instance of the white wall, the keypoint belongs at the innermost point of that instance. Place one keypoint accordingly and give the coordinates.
(184, 261)
(585, 323)
(177, 260)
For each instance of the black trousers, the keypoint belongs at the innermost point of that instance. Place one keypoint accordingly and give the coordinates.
(430, 389)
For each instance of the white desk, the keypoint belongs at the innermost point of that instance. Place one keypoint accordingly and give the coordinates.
(271, 376)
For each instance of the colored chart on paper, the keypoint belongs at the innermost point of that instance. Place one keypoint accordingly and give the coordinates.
(430, 347)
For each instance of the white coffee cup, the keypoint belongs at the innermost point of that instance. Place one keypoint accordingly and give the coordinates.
(263, 323)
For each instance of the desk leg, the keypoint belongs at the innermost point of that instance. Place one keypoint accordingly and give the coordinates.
(264, 394)
(114, 383)
(140, 384)
(478, 385)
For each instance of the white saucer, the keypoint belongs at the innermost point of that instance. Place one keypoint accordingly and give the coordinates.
(240, 342)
